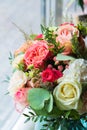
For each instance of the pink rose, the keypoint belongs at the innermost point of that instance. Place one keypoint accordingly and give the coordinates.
(65, 33)
(51, 75)
(37, 54)
(21, 96)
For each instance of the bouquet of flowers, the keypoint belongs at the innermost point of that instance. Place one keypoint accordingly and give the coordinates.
(50, 77)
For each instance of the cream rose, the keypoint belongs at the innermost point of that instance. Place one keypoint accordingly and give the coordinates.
(18, 59)
(67, 95)
(17, 81)
(76, 70)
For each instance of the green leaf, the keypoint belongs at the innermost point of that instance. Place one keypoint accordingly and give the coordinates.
(76, 46)
(82, 26)
(11, 57)
(7, 79)
(21, 66)
(62, 57)
(42, 112)
(37, 98)
(25, 115)
(67, 114)
(31, 113)
(7, 93)
(50, 37)
(42, 28)
(74, 115)
(27, 120)
(49, 105)
(81, 4)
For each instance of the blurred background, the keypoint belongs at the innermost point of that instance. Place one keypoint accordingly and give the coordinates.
(27, 15)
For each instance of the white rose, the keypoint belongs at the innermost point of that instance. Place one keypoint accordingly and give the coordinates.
(67, 95)
(17, 81)
(18, 59)
(77, 70)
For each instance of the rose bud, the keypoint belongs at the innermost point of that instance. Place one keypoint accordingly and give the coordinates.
(60, 67)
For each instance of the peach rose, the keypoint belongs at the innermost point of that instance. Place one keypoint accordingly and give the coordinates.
(65, 33)
(36, 54)
(17, 60)
(23, 48)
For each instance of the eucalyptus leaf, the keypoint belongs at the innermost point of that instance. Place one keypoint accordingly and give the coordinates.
(42, 112)
(49, 106)
(37, 98)
(62, 57)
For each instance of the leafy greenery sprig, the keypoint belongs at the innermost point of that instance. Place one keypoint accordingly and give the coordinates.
(81, 4)
(21, 66)
(31, 116)
(7, 79)
(82, 26)
(50, 37)
(53, 123)
(75, 46)
(11, 57)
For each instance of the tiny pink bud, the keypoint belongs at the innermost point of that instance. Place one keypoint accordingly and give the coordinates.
(57, 62)
(60, 67)
(53, 69)
(40, 73)
(54, 58)
(50, 66)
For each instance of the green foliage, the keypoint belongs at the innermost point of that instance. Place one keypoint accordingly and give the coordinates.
(75, 46)
(7, 79)
(39, 99)
(81, 4)
(11, 57)
(82, 26)
(7, 93)
(85, 54)
(32, 116)
(21, 66)
(64, 120)
(61, 57)
(69, 114)
(49, 105)
(34, 73)
(50, 123)
(73, 114)
(50, 37)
